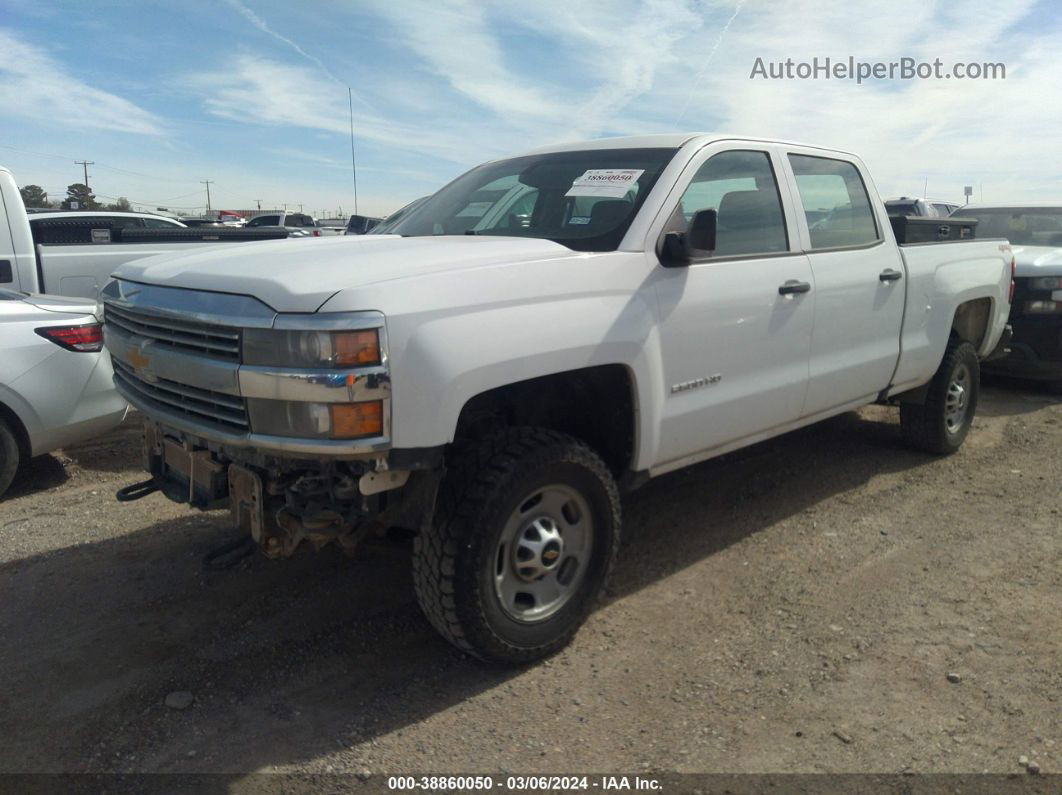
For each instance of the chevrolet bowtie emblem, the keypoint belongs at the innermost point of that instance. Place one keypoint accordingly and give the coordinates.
(141, 363)
(138, 359)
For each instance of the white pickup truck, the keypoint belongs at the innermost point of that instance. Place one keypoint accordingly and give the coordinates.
(74, 255)
(540, 334)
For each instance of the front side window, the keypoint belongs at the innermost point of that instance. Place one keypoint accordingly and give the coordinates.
(265, 220)
(741, 188)
(584, 199)
(836, 203)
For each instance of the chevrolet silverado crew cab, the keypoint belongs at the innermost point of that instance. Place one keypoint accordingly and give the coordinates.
(543, 332)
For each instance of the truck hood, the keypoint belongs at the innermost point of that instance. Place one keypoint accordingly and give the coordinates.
(300, 275)
(1038, 260)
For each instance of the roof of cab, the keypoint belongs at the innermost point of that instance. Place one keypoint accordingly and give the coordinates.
(665, 141)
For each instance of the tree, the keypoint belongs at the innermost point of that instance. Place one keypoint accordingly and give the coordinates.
(34, 196)
(80, 193)
(120, 206)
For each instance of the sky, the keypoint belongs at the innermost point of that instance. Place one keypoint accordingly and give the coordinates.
(254, 95)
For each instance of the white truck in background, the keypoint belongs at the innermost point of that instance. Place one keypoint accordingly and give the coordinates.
(69, 255)
(541, 333)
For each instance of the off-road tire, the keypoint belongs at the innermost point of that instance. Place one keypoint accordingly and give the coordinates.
(9, 456)
(454, 560)
(924, 425)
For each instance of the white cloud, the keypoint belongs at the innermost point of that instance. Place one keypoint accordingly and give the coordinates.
(259, 90)
(260, 23)
(465, 81)
(457, 43)
(35, 86)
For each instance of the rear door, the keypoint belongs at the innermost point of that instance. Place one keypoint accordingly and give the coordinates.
(735, 347)
(859, 281)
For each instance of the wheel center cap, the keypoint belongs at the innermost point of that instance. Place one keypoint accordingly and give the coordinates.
(538, 550)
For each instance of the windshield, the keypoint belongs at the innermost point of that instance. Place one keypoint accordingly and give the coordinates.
(584, 200)
(1022, 226)
(391, 221)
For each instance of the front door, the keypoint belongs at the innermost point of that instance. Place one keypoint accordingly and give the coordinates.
(735, 348)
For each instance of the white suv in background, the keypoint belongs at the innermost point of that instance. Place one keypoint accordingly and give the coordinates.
(297, 224)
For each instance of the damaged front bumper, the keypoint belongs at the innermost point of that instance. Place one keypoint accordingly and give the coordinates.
(282, 501)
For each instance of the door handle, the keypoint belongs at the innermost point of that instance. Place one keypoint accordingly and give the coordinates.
(793, 286)
(889, 275)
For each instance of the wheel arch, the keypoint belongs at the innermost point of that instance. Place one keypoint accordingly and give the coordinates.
(971, 321)
(596, 404)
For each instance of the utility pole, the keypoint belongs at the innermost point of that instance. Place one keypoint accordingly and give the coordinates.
(300, 208)
(86, 164)
(207, 183)
(285, 206)
(259, 202)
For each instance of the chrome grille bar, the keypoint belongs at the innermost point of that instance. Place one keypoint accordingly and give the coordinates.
(213, 340)
(203, 404)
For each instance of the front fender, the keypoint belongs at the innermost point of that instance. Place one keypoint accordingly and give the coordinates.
(439, 364)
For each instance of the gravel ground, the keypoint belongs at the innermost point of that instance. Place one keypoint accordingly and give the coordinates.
(828, 601)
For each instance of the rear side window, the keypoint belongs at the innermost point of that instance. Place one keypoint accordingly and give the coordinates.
(741, 188)
(835, 201)
(265, 220)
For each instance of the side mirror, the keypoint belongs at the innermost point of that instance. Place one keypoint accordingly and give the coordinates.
(681, 248)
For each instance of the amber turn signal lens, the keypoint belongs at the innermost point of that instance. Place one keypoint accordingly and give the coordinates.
(353, 348)
(353, 420)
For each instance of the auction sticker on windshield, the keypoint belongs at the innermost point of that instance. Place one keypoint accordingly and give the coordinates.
(609, 182)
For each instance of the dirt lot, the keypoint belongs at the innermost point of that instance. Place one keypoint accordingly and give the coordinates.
(795, 607)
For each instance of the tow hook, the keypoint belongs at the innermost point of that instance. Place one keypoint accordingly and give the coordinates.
(136, 491)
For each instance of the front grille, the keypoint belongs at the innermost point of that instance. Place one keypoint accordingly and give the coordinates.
(217, 342)
(225, 411)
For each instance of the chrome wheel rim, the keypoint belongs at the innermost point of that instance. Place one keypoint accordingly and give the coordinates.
(957, 401)
(543, 553)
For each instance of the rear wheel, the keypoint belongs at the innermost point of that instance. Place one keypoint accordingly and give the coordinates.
(942, 422)
(9, 456)
(524, 538)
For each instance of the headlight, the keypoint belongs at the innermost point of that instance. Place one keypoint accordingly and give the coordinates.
(331, 349)
(1046, 283)
(316, 420)
(1043, 307)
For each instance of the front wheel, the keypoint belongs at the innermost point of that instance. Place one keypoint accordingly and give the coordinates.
(524, 538)
(942, 422)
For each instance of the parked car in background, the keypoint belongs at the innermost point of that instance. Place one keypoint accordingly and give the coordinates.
(73, 253)
(1035, 234)
(542, 331)
(332, 226)
(297, 224)
(924, 208)
(360, 225)
(114, 220)
(56, 387)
